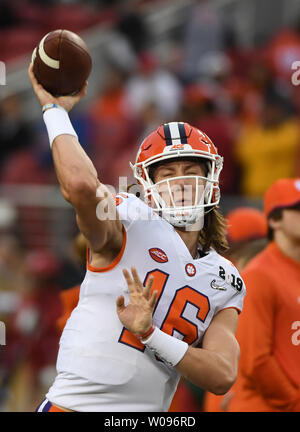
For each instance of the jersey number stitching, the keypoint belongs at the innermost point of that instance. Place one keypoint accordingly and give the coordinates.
(174, 319)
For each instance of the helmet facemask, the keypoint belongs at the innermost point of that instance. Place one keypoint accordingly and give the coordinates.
(181, 204)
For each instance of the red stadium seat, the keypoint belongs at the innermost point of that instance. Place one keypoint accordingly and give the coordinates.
(18, 41)
(70, 17)
(30, 13)
(38, 20)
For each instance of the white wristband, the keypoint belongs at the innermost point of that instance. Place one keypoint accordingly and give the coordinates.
(57, 123)
(168, 348)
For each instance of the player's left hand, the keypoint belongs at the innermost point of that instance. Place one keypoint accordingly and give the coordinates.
(137, 315)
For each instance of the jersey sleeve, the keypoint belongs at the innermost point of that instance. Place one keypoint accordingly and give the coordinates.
(234, 287)
(131, 209)
(256, 341)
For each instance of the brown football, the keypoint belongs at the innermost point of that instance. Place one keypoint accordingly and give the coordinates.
(61, 62)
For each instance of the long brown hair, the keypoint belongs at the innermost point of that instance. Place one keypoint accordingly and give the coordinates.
(214, 232)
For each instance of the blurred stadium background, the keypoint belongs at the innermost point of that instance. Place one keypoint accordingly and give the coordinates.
(225, 66)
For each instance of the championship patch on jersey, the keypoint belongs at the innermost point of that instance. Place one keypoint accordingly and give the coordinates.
(158, 255)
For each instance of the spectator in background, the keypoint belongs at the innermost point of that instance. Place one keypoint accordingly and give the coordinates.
(244, 224)
(152, 84)
(203, 36)
(248, 92)
(269, 149)
(113, 123)
(240, 58)
(247, 234)
(269, 378)
(132, 26)
(188, 398)
(200, 109)
(149, 118)
(15, 133)
(33, 346)
(247, 237)
(11, 259)
(282, 50)
(20, 160)
(11, 279)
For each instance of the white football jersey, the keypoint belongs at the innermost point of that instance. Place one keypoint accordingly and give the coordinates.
(103, 367)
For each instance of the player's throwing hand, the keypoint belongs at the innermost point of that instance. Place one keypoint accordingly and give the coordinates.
(137, 315)
(44, 97)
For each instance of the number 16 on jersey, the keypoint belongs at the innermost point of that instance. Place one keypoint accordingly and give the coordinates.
(173, 320)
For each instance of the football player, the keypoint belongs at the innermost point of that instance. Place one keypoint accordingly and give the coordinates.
(135, 332)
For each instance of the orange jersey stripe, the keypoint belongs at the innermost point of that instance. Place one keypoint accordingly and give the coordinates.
(55, 408)
(114, 263)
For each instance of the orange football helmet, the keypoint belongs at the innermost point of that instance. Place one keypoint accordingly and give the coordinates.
(179, 140)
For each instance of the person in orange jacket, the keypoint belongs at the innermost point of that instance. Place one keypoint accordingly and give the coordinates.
(247, 236)
(269, 327)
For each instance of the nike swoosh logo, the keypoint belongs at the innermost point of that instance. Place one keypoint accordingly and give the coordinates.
(217, 287)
